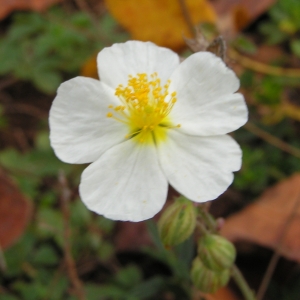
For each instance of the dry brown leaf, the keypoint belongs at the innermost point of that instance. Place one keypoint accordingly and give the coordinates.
(235, 15)
(7, 6)
(263, 221)
(159, 21)
(221, 294)
(15, 211)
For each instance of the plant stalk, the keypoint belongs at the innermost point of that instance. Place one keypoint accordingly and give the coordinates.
(242, 284)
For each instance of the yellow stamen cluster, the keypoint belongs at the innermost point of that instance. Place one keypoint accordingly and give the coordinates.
(145, 106)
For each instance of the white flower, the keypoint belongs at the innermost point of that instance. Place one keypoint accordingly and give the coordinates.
(148, 122)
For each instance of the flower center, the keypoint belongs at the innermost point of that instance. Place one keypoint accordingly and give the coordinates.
(145, 107)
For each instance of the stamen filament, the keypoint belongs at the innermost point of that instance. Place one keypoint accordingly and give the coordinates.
(143, 105)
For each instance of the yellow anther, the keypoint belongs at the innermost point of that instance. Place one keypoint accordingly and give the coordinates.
(144, 107)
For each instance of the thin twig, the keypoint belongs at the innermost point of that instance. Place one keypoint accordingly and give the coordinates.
(274, 260)
(273, 140)
(261, 67)
(70, 264)
(187, 17)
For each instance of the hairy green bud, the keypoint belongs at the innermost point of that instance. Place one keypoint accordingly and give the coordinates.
(177, 222)
(206, 280)
(216, 252)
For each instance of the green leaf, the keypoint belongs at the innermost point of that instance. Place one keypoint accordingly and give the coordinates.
(80, 215)
(30, 291)
(97, 292)
(16, 255)
(295, 46)
(148, 288)
(50, 224)
(128, 277)
(45, 256)
(46, 80)
(242, 43)
(8, 297)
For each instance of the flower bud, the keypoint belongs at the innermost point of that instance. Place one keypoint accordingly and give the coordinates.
(206, 280)
(216, 252)
(177, 222)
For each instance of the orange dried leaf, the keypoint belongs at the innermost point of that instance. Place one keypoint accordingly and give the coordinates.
(263, 221)
(15, 211)
(159, 21)
(7, 6)
(221, 294)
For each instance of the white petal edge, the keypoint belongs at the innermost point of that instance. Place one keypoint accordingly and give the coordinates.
(115, 63)
(206, 104)
(200, 168)
(126, 183)
(79, 129)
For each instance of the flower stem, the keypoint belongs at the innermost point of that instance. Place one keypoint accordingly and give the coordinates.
(211, 224)
(242, 284)
(207, 219)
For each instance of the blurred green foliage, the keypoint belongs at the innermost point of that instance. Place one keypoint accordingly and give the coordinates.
(41, 48)
(244, 44)
(264, 164)
(284, 25)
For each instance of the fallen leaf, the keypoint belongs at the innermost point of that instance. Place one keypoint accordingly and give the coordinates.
(234, 15)
(222, 294)
(263, 221)
(7, 6)
(15, 211)
(160, 21)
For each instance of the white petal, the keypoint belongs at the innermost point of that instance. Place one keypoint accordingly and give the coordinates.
(205, 103)
(200, 168)
(115, 63)
(125, 183)
(79, 129)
